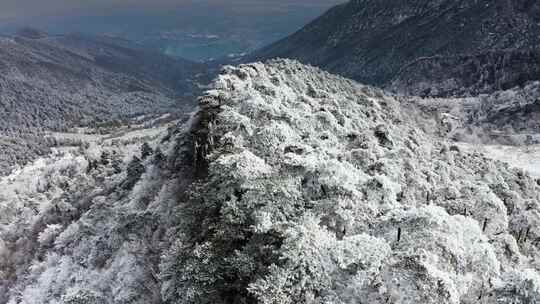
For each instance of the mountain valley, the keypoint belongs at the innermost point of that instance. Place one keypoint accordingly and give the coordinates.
(56, 83)
(391, 158)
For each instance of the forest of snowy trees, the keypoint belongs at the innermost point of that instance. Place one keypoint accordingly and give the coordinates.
(130, 177)
(289, 185)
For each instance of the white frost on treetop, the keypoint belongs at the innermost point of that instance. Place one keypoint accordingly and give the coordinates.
(367, 206)
(290, 186)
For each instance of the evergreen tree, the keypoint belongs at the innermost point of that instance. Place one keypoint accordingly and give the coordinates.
(134, 170)
(146, 150)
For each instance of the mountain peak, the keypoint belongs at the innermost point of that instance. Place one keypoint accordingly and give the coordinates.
(31, 33)
(325, 174)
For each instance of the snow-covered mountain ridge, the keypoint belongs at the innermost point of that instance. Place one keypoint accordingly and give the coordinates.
(290, 185)
(454, 49)
(349, 200)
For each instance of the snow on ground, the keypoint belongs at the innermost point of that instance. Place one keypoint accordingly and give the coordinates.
(150, 133)
(521, 157)
(139, 132)
(28, 179)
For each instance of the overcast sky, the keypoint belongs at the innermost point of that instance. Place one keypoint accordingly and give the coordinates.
(22, 9)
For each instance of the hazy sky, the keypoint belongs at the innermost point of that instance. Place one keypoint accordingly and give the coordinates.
(22, 9)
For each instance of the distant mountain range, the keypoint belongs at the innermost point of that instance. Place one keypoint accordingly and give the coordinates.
(376, 41)
(197, 30)
(175, 75)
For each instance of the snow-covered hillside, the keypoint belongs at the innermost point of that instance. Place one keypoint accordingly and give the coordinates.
(526, 158)
(503, 125)
(290, 185)
(78, 188)
(52, 84)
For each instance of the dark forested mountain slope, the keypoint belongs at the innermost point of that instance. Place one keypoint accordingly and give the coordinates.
(468, 75)
(371, 40)
(121, 56)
